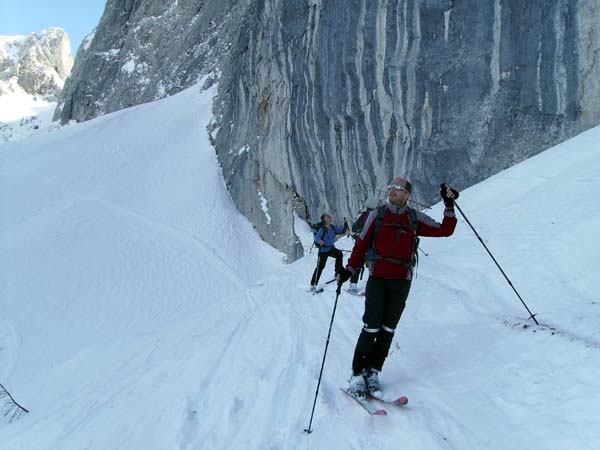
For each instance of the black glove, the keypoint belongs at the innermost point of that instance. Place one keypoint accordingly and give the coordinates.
(449, 202)
(343, 275)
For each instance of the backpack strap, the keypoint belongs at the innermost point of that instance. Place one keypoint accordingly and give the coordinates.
(371, 252)
(412, 218)
(378, 219)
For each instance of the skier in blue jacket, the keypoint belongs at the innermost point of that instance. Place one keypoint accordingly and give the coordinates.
(324, 240)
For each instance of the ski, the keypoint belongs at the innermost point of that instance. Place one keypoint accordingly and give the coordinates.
(366, 404)
(378, 395)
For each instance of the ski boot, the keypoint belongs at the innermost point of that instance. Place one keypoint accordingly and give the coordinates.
(372, 380)
(357, 385)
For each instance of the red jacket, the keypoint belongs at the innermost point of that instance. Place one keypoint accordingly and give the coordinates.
(394, 242)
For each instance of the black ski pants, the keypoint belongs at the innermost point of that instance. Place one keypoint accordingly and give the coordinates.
(384, 304)
(333, 253)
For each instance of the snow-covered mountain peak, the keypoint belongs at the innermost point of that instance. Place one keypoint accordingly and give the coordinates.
(33, 70)
(36, 64)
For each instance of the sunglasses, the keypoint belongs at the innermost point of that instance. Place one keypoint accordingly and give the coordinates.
(398, 187)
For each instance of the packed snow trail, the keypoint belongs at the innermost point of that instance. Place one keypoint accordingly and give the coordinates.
(141, 310)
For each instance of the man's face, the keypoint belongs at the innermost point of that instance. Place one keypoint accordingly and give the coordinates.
(327, 219)
(397, 194)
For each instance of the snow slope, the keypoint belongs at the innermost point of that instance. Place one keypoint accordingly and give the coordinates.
(140, 310)
(22, 115)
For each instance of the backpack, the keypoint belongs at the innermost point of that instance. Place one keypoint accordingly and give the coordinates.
(359, 223)
(412, 218)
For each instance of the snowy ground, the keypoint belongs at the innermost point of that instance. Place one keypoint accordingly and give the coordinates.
(140, 310)
(23, 115)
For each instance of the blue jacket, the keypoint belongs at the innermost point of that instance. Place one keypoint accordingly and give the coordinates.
(327, 235)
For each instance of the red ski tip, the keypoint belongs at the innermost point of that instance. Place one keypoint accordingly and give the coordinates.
(380, 412)
(402, 401)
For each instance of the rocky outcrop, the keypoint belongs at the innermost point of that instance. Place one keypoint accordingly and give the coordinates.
(35, 64)
(321, 102)
(145, 50)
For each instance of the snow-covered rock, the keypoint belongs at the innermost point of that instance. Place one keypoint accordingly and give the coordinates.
(36, 65)
(33, 70)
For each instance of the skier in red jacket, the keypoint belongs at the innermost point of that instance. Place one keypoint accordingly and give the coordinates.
(389, 241)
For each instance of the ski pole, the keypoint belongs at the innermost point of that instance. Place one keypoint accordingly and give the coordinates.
(19, 409)
(316, 275)
(531, 315)
(339, 289)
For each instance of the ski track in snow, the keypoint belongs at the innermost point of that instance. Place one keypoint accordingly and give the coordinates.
(177, 238)
(158, 319)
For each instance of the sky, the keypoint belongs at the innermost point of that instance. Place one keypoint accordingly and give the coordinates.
(78, 18)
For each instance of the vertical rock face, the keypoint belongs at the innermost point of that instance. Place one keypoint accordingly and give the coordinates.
(321, 102)
(35, 64)
(332, 98)
(589, 62)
